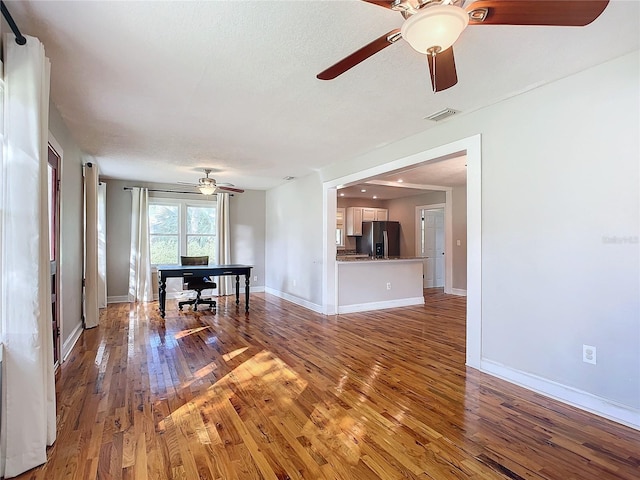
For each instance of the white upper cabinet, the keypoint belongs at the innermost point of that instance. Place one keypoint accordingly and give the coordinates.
(354, 221)
(382, 214)
(356, 215)
(368, 214)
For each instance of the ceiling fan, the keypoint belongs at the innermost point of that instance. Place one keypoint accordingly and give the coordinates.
(209, 186)
(431, 27)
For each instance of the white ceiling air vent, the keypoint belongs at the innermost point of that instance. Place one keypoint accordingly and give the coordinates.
(442, 114)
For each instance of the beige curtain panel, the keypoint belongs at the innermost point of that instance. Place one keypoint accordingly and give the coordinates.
(29, 403)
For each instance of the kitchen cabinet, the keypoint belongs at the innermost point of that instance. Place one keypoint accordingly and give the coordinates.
(356, 215)
(370, 214)
(354, 221)
(382, 214)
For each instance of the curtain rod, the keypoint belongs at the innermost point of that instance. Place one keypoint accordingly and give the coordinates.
(20, 40)
(171, 191)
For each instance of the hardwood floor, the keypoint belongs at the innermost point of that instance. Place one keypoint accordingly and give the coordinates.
(284, 393)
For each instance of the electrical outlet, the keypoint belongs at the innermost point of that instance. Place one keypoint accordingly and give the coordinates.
(388, 285)
(255, 278)
(589, 354)
(294, 282)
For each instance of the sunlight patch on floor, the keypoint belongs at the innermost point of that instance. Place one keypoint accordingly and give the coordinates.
(191, 331)
(228, 356)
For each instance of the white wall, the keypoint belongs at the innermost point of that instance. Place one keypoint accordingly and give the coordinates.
(247, 224)
(403, 210)
(71, 231)
(559, 180)
(294, 241)
(560, 225)
(378, 284)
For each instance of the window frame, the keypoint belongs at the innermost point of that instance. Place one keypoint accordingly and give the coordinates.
(182, 205)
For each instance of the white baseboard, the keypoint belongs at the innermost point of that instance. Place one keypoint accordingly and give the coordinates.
(366, 307)
(572, 396)
(459, 291)
(298, 301)
(70, 342)
(118, 299)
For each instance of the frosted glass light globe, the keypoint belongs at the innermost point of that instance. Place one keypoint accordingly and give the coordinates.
(435, 28)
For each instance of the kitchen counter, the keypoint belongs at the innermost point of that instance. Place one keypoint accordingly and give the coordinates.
(364, 284)
(354, 258)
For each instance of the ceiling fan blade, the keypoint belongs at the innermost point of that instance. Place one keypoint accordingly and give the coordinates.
(380, 3)
(572, 13)
(187, 183)
(229, 189)
(442, 70)
(358, 56)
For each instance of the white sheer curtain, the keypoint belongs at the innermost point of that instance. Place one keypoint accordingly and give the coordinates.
(91, 310)
(140, 283)
(223, 250)
(102, 245)
(28, 407)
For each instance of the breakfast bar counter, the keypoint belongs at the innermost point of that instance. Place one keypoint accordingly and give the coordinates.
(364, 284)
(358, 258)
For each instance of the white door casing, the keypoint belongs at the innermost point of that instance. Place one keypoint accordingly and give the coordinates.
(472, 147)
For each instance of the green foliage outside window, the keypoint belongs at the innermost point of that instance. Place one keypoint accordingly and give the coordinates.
(164, 250)
(201, 229)
(164, 229)
(165, 232)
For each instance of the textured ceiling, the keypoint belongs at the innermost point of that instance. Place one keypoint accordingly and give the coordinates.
(157, 91)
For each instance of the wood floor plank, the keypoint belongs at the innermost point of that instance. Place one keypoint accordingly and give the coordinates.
(285, 393)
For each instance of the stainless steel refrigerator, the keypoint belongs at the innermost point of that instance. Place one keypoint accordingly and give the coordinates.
(379, 239)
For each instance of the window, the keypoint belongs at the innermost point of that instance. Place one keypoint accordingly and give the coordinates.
(201, 231)
(340, 227)
(178, 227)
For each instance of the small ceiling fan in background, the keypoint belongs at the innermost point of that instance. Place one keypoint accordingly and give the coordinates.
(209, 186)
(431, 27)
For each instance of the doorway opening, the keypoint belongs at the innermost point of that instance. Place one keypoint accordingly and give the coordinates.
(471, 147)
(53, 190)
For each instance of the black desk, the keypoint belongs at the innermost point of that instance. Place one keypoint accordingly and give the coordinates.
(166, 271)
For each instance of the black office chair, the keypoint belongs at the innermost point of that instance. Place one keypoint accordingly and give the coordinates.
(197, 283)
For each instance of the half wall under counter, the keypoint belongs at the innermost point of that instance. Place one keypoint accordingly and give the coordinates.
(361, 284)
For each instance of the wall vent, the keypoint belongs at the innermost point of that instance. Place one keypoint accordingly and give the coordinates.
(442, 114)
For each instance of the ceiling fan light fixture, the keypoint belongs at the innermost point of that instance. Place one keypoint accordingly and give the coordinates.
(207, 189)
(435, 28)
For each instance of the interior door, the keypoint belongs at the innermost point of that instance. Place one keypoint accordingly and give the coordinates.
(54, 229)
(433, 247)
